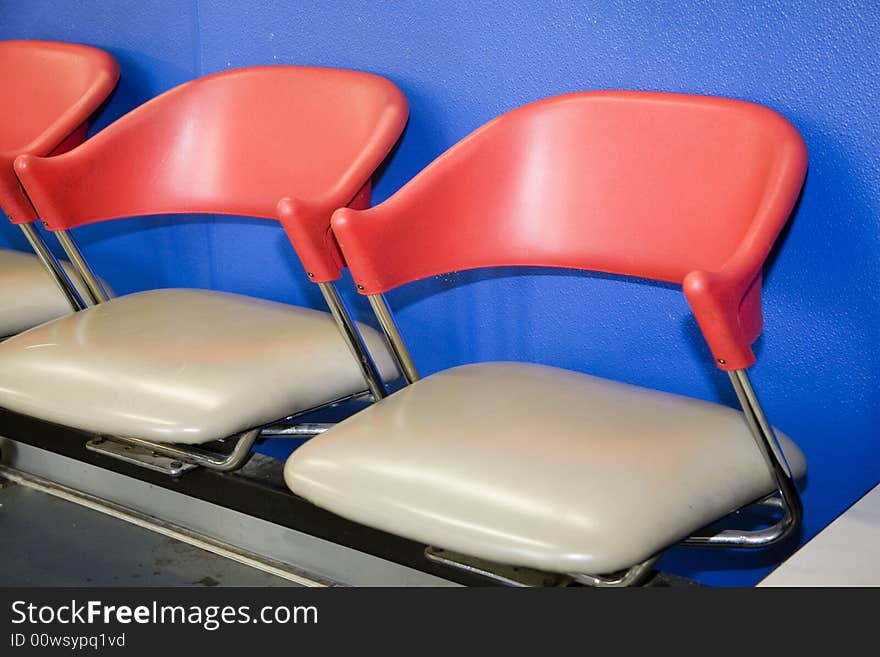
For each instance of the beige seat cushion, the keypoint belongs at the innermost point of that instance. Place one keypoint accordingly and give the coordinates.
(182, 366)
(536, 466)
(28, 295)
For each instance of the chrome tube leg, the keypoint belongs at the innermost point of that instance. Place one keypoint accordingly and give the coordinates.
(395, 341)
(53, 267)
(302, 430)
(768, 445)
(764, 435)
(289, 427)
(93, 286)
(354, 340)
(770, 449)
(630, 577)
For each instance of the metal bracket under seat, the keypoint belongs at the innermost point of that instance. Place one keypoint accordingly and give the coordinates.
(529, 577)
(148, 454)
(176, 459)
(501, 573)
(142, 456)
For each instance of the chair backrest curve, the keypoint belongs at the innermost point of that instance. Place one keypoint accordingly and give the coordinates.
(680, 188)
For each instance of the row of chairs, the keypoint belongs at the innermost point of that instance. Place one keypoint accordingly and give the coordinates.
(490, 464)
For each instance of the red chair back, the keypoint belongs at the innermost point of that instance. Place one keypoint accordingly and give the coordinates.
(687, 189)
(286, 142)
(51, 89)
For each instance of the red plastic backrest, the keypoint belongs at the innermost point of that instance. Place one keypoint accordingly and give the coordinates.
(687, 189)
(286, 142)
(50, 90)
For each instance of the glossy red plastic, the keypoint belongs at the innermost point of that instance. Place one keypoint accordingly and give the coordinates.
(686, 189)
(50, 90)
(291, 143)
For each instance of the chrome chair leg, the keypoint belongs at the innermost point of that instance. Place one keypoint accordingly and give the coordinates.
(383, 314)
(354, 340)
(96, 291)
(299, 430)
(787, 496)
(52, 266)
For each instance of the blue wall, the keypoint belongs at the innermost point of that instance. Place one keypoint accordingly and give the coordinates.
(461, 63)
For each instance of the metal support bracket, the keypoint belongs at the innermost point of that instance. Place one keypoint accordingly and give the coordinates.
(290, 428)
(528, 577)
(146, 458)
(298, 430)
(176, 459)
(147, 452)
(501, 573)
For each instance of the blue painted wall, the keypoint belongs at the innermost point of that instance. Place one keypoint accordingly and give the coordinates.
(461, 63)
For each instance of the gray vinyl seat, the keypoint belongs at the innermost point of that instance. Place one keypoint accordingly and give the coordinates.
(28, 295)
(536, 466)
(181, 366)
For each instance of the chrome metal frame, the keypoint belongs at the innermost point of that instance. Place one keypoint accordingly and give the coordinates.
(197, 456)
(501, 573)
(145, 452)
(631, 577)
(53, 267)
(297, 430)
(154, 456)
(355, 341)
(786, 497)
(97, 293)
(142, 457)
(383, 314)
(288, 428)
(526, 577)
